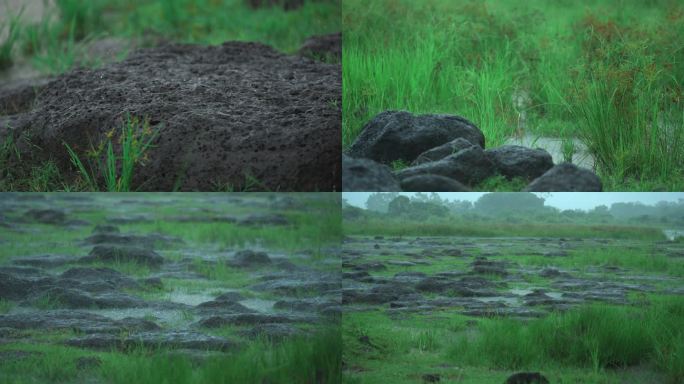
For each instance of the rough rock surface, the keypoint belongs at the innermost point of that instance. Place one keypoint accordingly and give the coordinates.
(566, 177)
(78, 321)
(516, 161)
(469, 166)
(444, 150)
(222, 112)
(157, 339)
(249, 258)
(432, 183)
(18, 96)
(367, 175)
(394, 135)
(113, 253)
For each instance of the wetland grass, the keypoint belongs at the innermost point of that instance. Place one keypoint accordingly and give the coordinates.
(608, 72)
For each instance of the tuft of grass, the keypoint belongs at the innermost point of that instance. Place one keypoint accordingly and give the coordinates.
(5, 306)
(500, 183)
(78, 18)
(12, 24)
(117, 169)
(231, 277)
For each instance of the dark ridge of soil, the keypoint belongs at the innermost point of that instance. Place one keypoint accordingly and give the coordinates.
(223, 112)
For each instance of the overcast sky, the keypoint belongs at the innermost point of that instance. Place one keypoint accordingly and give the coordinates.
(562, 200)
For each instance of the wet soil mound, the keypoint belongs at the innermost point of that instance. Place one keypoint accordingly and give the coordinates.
(224, 114)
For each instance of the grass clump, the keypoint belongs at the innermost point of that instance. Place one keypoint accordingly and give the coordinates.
(598, 336)
(5, 306)
(12, 26)
(116, 170)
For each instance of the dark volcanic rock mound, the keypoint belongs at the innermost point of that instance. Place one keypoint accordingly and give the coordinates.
(367, 175)
(516, 161)
(394, 135)
(108, 253)
(432, 183)
(222, 112)
(469, 166)
(566, 177)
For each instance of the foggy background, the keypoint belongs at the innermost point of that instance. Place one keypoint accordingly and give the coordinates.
(561, 200)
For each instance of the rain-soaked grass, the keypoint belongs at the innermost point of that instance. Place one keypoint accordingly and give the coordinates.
(314, 357)
(608, 72)
(298, 360)
(598, 337)
(61, 38)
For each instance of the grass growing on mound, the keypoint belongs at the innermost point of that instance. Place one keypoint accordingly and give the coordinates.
(607, 71)
(116, 170)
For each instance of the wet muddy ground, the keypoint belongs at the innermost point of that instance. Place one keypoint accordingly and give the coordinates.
(201, 274)
(457, 284)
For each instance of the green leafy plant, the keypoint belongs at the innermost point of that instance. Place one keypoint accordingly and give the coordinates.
(116, 168)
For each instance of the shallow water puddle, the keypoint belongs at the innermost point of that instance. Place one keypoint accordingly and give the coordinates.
(554, 146)
(259, 305)
(510, 301)
(193, 299)
(672, 234)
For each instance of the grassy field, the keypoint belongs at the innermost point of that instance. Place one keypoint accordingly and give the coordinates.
(451, 227)
(41, 356)
(609, 72)
(580, 346)
(597, 342)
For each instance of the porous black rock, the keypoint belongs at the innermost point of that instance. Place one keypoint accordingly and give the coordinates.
(515, 161)
(432, 183)
(566, 177)
(469, 166)
(367, 175)
(224, 115)
(399, 135)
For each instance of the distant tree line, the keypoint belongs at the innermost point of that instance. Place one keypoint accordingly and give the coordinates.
(513, 207)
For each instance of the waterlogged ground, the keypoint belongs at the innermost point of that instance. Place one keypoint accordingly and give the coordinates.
(94, 284)
(453, 309)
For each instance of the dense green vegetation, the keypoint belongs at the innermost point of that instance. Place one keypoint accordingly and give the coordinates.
(608, 72)
(585, 345)
(294, 361)
(507, 214)
(56, 44)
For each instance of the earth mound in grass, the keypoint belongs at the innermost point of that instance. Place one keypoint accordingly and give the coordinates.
(221, 115)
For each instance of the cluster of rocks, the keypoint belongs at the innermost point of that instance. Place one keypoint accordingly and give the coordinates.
(447, 153)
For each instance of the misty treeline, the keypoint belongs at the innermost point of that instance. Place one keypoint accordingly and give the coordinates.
(512, 208)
